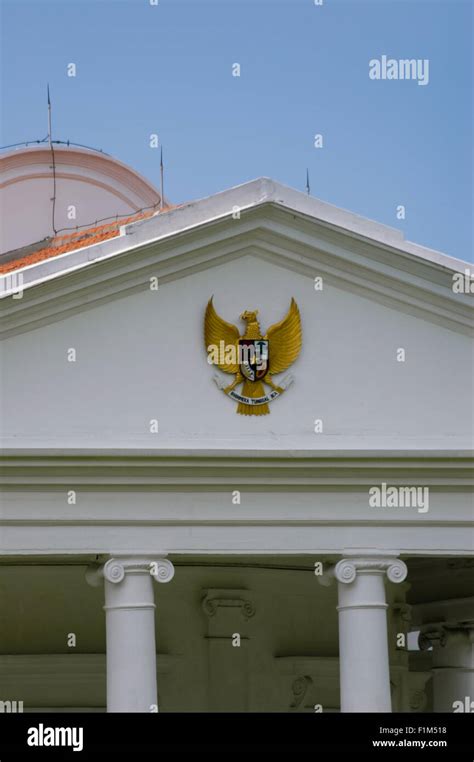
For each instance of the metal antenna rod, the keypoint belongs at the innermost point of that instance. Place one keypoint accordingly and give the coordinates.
(49, 118)
(161, 183)
(53, 165)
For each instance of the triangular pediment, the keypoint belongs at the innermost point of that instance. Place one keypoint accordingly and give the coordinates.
(260, 219)
(385, 353)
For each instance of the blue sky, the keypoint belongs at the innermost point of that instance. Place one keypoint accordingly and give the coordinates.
(167, 69)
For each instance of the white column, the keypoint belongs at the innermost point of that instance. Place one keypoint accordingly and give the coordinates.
(130, 626)
(453, 665)
(363, 646)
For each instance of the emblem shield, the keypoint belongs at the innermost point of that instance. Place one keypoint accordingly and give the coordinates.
(253, 358)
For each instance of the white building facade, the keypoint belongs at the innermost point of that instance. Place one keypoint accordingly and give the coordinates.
(160, 551)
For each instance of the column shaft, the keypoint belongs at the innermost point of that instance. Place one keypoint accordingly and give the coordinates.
(363, 644)
(130, 627)
(131, 649)
(363, 648)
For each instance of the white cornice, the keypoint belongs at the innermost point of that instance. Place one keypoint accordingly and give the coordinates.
(136, 503)
(279, 224)
(250, 195)
(323, 447)
(217, 468)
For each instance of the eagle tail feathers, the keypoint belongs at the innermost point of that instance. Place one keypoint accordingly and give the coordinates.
(253, 389)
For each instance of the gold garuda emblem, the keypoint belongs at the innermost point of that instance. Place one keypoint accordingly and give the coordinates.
(252, 358)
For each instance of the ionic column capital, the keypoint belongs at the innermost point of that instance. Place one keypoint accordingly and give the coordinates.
(433, 635)
(347, 569)
(114, 570)
(446, 635)
(226, 598)
(452, 668)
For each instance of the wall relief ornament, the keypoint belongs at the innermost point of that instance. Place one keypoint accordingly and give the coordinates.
(252, 357)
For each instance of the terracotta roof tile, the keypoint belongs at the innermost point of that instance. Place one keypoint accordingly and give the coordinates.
(61, 244)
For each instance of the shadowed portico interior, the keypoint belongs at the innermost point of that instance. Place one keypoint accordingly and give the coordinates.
(287, 659)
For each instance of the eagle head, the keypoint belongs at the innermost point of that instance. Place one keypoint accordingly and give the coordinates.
(249, 316)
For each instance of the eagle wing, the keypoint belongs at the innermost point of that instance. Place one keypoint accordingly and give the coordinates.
(285, 340)
(216, 330)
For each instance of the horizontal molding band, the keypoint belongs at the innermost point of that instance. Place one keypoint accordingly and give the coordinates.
(219, 484)
(441, 523)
